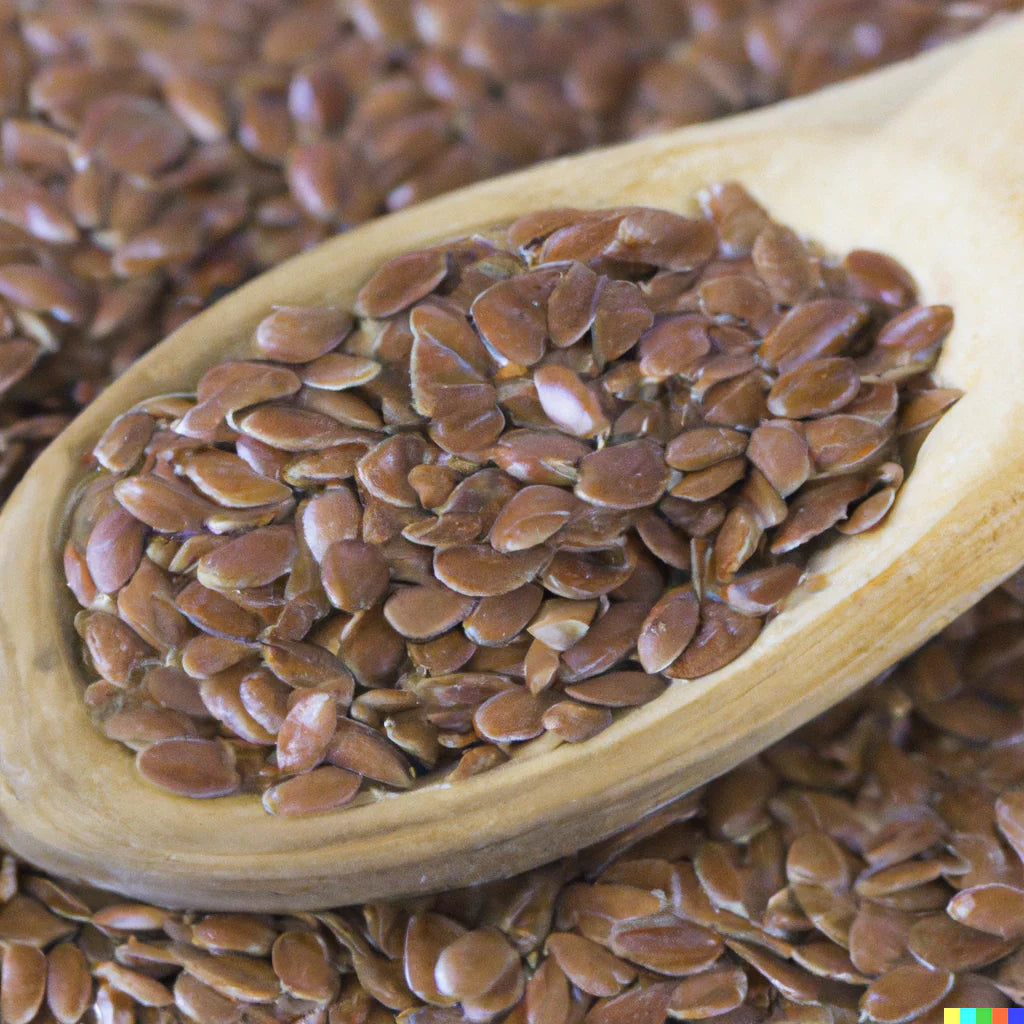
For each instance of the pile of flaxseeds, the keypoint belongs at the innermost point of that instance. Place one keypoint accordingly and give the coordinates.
(547, 472)
(155, 155)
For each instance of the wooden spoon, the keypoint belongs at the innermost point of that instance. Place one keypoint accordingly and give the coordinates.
(924, 160)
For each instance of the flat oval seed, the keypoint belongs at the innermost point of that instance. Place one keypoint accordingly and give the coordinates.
(703, 447)
(229, 480)
(477, 570)
(531, 516)
(618, 689)
(22, 983)
(306, 731)
(401, 282)
(422, 612)
(190, 767)
(916, 329)
(814, 388)
(512, 315)
(668, 629)
(474, 963)
(252, 560)
(666, 945)
(764, 590)
(323, 789)
(574, 722)
(498, 620)
(624, 476)
(124, 441)
(355, 575)
(114, 549)
(723, 635)
(994, 908)
(904, 993)
(338, 371)
(68, 983)
(514, 715)
(569, 403)
(588, 965)
(300, 334)
(779, 450)
(709, 994)
(300, 961)
(811, 330)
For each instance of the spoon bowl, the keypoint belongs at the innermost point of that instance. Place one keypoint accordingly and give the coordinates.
(925, 161)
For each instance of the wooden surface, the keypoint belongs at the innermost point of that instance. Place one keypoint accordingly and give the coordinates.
(926, 161)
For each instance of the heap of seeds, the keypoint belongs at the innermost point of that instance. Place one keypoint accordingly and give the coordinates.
(154, 155)
(546, 472)
(871, 867)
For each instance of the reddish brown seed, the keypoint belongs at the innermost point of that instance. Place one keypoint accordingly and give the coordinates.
(916, 329)
(355, 575)
(131, 134)
(422, 612)
(617, 689)
(497, 620)
(994, 908)
(574, 722)
(812, 330)
(722, 636)
(531, 516)
(323, 789)
(300, 334)
(785, 265)
(477, 570)
(511, 315)
(190, 767)
(514, 715)
(569, 403)
(779, 450)
(703, 447)
(306, 731)
(668, 629)
(666, 945)
(68, 983)
(588, 965)
(473, 964)
(401, 282)
(572, 305)
(878, 278)
(904, 993)
(675, 345)
(762, 591)
(22, 983)
(814, 388)
(114, 549)
(252, 560)
(839, 444)
(625, 476)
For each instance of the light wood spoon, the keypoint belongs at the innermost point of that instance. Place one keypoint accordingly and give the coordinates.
(924, 160)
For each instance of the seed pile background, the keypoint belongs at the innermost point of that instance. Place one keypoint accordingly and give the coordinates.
(680, 62)
(870, 864)
(154, 155)
(540, 462)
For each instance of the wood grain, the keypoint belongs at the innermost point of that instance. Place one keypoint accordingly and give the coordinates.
(924, 160)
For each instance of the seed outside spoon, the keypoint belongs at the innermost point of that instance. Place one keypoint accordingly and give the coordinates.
(923, 161)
